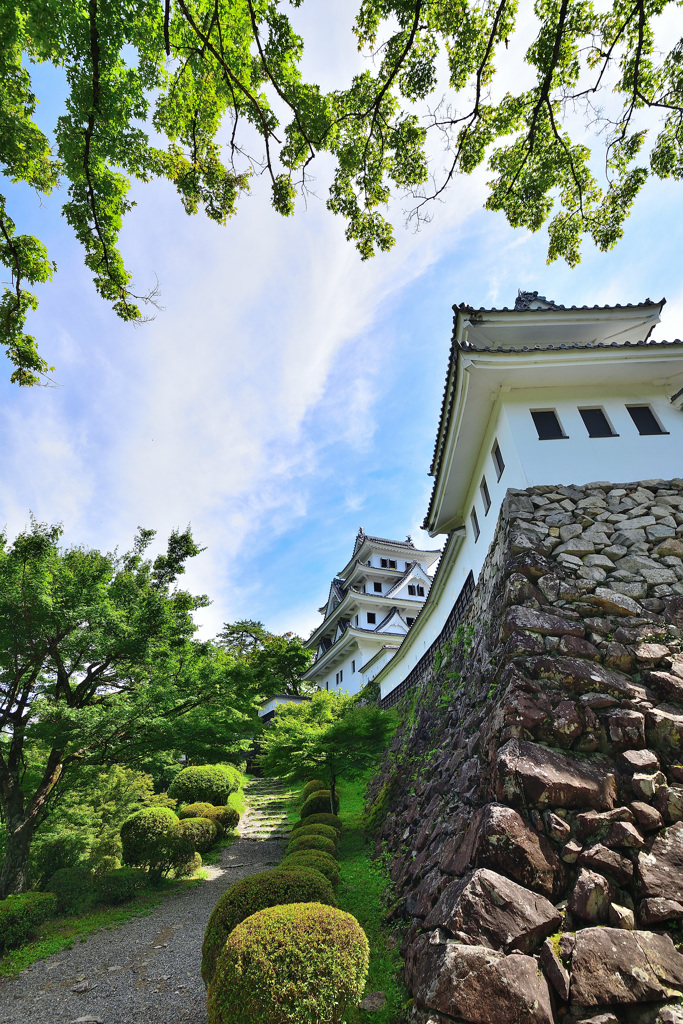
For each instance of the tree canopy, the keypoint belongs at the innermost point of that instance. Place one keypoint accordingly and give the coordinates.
(209, 93)
(277, 662)
(330, 737)
(99, 666)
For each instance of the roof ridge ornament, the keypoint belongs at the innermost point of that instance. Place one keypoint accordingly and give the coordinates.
(532, 300)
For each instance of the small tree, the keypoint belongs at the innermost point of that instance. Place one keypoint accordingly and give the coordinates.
(277, 662)
(330, 736)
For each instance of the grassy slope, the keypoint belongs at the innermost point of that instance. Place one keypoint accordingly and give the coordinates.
(361, 892)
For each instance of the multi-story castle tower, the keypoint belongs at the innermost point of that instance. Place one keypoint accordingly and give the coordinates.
(372, 604)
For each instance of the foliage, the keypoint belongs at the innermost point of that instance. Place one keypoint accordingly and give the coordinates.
(322, 862)
(151, 839)
(330, 735)
(309, 842)
(151, 86)
(119, 886)
(72, 888)
(302, 961)
(201, 832)
(277, 662)
(318, 819)
(314, 786)
(212, 783)
(320, 803)
(318, 830)
(254, 893)
(198, 810)
(226, 817)
(20, 915)
(96, 661)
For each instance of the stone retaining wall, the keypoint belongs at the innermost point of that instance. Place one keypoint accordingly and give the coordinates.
(532, 804)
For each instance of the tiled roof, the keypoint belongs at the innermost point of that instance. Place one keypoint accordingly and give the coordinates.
(521, 305)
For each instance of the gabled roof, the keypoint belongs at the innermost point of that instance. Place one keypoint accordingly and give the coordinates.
(393, 614)
(338, 590)
(362, 536)
(414, 572)
(537, 337)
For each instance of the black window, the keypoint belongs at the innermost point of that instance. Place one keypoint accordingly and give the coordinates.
(353, 666)
(547, 425)
(392, 563)
(420, 591)
(411, 589)
(410, 620)
(596, 423)
(384, 563)
(485, 496)
(475, 524)
(341, 675)
(498, 460)
(378, 588)
(645, 420)
(371, 618)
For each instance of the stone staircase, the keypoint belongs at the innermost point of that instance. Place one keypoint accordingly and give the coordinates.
(265, 817)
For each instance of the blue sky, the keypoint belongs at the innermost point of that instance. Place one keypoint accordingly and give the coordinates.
(287, 393)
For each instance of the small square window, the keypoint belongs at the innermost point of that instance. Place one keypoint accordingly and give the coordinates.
(596, 423)
(485, 496)
(645, 420)
(384, 562)
(547, 425)
(410, 620)
(498, 460)
(420, 591)
(377, 588)
(475, 524)
(411, 589)
(392, 563)
(371, 618)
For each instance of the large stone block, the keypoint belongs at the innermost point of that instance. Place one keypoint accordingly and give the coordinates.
(490, 910)
(661, 870)
(499, 838)
(581, 676)
(478, 985)
(531, 774)
(521, 617)
(612, 966)
(664, 726)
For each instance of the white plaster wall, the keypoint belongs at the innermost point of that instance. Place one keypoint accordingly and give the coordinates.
(579, 459)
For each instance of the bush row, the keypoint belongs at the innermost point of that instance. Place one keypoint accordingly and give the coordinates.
(276, 947)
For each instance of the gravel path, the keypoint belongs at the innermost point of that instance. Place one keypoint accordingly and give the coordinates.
(145, 971)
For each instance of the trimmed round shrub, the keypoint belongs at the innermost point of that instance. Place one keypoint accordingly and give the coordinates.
(301, 962)
(304, 870)
(226, 817)
(319, 819)
(119, 886)
(72, 887)
(314, 859)
(212, 783)
(189, 867)
(314, 786)
(317, 830)
(307, 842)
(319, 803)
(20, 916)
(201, 832)
(244, 898)
(199, 810)
(151, 838)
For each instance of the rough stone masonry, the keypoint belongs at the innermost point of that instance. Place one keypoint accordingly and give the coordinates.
(532, 804)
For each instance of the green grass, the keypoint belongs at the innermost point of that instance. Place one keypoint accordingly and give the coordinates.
(62, 932)
(361, 893)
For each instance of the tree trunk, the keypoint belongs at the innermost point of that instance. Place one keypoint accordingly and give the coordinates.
(332, 794)
(14, 872)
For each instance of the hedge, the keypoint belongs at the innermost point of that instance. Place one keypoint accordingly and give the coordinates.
(72, 888)
(309, 842)
(198, 810)
(119, 886)
(21, 915)
(317, 830)
(314, 859)
(301, 962)
(319, 803)
(226, 817)
(151, 838)
(314, 786)
(254, 893)
(201, 832)
(212, 783)
(319, 819)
